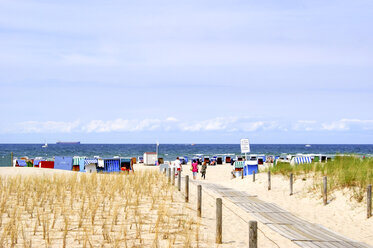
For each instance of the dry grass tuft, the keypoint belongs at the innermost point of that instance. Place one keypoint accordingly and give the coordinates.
(350, 172)
(94, 210)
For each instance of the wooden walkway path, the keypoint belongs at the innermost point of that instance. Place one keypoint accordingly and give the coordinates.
(299, 231)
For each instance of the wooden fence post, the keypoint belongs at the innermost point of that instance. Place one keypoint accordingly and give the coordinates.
(242, 172)
(253, 234)
(199, 200)
(269, 180)
(179, 181)
(325, 184)
(164, 171)
(369, 201)
(173, 176)
(169, 175)
(219, 220)
(186, 188)
(253, 176)
(291, 183)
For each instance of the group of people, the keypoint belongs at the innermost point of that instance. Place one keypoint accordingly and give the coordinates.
(195, 169)
(177, 165)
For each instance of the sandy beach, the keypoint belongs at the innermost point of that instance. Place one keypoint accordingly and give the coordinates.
(342, 215)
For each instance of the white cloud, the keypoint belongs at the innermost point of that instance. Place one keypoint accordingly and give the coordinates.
(243, 124)
(347, 124)
(216, 124)
(120, 125)
(305, 125)
(47, 127)
(219, 124)
(252, 126)
(335, 126)
(230, 124)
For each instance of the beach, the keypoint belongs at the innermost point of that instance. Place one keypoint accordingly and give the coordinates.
(341, 214)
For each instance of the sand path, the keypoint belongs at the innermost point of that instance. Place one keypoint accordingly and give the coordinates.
(301, 232)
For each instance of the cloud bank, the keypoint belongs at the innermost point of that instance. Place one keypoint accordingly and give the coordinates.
(219, 124)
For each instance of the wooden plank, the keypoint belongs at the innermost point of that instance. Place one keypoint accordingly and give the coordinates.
(259, 207)
(291, 218)
(348, 244)
(306, 244)
(270, 207)
(247, 207)
(297, 235)
(287, 232)
(341, 244)
(361, 244)
(263, 207)
(261, 218)
(279, 218)
(312, 233)
(276, 208)
(303, 235)
(354, 244)
(325, 233)
(241, 198)
(329, 244)
(334, 233)
(272, 219)
(317, 235)
(232, 194)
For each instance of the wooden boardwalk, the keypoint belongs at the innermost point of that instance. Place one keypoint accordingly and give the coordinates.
(299, 231)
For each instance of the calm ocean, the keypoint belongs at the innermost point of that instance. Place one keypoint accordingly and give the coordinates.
(170, 151)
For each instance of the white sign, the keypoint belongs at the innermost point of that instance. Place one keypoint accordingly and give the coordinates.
(245, 146)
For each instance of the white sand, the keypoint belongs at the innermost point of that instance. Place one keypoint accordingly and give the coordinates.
(341, 215)
(235, 226)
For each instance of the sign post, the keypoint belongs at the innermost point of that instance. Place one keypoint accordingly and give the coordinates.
(245, 148)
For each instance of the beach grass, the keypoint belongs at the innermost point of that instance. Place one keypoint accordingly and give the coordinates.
(349, 171)
(95, 210)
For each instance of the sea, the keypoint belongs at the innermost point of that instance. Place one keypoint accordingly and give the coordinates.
(171, 151)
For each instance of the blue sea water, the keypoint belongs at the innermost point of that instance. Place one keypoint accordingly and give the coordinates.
(171, 151)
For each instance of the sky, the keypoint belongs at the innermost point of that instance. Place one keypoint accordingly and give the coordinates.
(206, 71)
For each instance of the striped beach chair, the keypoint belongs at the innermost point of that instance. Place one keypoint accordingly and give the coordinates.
(303, 160)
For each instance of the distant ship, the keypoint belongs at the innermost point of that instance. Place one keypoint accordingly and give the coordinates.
(307, 145)
(67, 143)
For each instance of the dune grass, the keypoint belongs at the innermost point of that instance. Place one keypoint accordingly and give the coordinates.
(95, 210)
(343, 172)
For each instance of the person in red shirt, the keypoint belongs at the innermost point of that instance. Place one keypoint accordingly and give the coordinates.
(194, 169)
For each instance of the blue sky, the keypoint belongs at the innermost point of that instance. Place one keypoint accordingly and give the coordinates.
(186, 71)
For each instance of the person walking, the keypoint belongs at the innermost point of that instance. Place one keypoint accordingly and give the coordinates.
(177, 166)
(194, 169)
(203, 170)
